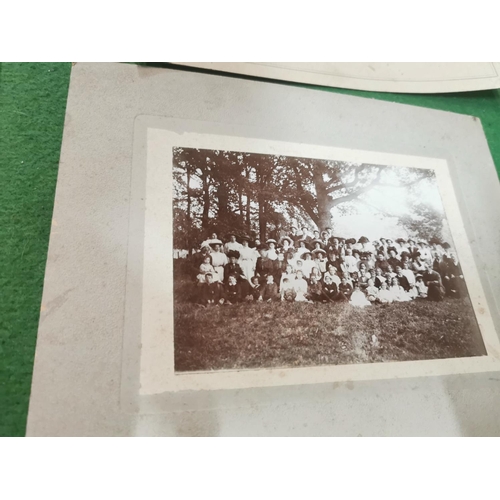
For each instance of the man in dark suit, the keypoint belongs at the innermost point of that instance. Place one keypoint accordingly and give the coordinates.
(433, 282)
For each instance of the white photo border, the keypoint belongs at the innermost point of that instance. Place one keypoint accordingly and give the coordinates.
(157, 373)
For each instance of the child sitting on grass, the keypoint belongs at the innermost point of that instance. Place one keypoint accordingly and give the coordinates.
(315, 290)
(255, 289)
(358, 298)
(211, 293)
(345, 290)
(384, 295)
(330, 289)
(300, 287)
(371, 291)
(270, 290)
(421, 287)
(288, 292)
(205, 267)
(232, 290)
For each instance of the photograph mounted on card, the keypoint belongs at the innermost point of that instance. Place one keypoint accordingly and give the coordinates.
(266, 263)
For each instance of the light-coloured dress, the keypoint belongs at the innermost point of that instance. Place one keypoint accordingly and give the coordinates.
(247, 260)
(219, 260)
(204, 269)
(232, 246)
(385, 296)
(300, 286)
(358, 299)
(399, 294)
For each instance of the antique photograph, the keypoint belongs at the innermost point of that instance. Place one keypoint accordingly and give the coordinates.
(283, 261)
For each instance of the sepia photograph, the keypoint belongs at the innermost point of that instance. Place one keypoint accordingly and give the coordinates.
(283, 261)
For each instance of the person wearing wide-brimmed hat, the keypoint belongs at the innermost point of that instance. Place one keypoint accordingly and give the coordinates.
(301, 249)
(286, 244)
(264, 264)
(271, 246)
(308, 264)
(232, 268)
(213, 239)
(320, 259)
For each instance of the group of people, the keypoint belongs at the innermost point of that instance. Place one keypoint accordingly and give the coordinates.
(304, 266)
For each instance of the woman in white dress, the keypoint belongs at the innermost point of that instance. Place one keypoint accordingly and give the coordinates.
(232, 245)
(248, 258)
(219, 260)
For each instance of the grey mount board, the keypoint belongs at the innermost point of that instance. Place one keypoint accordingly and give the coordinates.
(78, 374)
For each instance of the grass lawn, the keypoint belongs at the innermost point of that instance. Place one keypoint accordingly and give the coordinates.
(265, 335)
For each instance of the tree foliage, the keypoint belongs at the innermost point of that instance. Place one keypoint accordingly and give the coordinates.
(252, 193)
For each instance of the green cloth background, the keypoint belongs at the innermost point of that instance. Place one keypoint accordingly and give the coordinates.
(32, 106)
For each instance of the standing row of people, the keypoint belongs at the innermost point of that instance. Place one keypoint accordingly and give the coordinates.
(327, 269)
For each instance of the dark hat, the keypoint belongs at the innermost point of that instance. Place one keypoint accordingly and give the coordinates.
(446, 245)
(435, 241)
(317, 241)
(392, 248)
(351, 240)
(400, 240)
(233, 253)
(245, 237)
(262, 246)
(363, 239)
(306, 253)
(405, 254)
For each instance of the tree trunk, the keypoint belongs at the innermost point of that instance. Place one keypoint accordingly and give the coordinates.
(206, 200)
(188, 192)
(249, 202)
(262, 219)
(324, 201)
(223, 198)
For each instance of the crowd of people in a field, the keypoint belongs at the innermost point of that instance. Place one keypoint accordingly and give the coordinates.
(304, 266)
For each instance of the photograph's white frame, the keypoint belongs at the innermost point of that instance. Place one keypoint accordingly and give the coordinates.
(157, 373)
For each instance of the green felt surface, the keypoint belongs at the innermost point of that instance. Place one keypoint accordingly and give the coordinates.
(32, 106)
